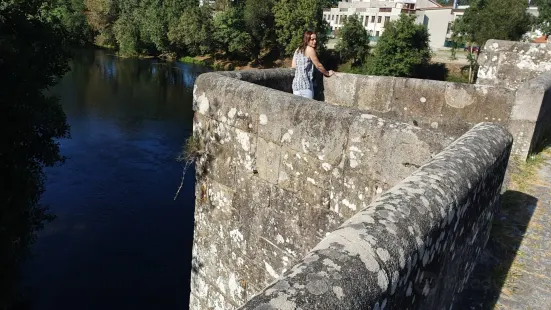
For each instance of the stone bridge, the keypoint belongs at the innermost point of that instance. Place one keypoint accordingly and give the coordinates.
(379, 194)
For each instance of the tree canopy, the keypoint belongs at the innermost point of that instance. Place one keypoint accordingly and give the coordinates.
(193, 31)
(543, 22)
(354, 44)
(230, 34)
(294, 17)
(493, 19)
(402, 49)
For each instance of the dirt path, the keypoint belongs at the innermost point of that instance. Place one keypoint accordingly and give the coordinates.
(515, 270)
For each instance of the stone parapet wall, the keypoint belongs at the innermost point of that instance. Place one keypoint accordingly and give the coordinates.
(452, 108)
(415, 246)
(277, 173)
(510, 64)
(525, 67)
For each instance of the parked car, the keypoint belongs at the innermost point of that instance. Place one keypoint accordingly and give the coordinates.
(468, 49)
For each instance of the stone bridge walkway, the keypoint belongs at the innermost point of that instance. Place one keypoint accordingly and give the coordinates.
(515, 270)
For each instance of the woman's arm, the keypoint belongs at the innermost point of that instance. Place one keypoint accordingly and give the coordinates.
(294, 64)
(311, 53)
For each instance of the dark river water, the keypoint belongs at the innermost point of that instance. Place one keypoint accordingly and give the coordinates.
(119, 241)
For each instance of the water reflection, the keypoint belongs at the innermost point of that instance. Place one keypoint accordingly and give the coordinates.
(119, 240)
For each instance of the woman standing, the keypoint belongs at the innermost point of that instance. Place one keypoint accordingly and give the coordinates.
(304, 60)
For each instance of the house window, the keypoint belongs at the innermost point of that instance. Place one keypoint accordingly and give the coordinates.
(372, 19)
(449, 27)
(337, 20)
(379, 19)
(332, 17)
(343, 19)
(366, 19)
(377, 33)
(387, 19)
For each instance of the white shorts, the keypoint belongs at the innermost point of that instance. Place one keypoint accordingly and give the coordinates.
(308, 93)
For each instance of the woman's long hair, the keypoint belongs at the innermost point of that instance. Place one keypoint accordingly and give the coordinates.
(305, 39)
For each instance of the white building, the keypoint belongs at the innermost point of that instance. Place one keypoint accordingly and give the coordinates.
(373, 14)
(438, 22)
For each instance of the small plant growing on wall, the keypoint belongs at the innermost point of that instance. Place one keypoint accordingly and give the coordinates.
(192, 149)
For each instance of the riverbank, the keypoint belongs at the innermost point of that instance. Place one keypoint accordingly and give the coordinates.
(231, 65)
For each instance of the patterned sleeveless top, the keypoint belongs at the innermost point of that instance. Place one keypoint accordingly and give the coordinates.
(304, 71)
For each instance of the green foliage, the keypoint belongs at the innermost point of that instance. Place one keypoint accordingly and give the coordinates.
(153, 25)
(101, 15)
(230, 34)
(354, 44)
(294, 17)
(193, 31)
(69, 14)
(402, 50)
(31, 59)
(260, 22)
(543, 22)
(493, 19)
(126, 35)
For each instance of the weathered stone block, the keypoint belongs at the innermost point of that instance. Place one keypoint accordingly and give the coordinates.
(250, 203)
(268, 160)
(509, 64)
(318, 130)
(305, 176)
(195, 303)
(282, 225)
(341, 90)
(419, 100)
(227, 101)
(522, 131)
(374, 94)
(275, 117)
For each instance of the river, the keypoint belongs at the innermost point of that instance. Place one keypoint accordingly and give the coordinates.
(119, 241)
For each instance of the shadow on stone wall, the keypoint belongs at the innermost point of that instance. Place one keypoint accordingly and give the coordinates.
(542, 131)
(485, 284)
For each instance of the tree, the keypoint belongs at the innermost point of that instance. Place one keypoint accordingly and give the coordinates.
(402, 50)
(230, 33)
(101, 16)
(354, 44)
(294, 17)
(259, 20)
(543, 22)
(70, 14)
(193, 30)
(491, 19)
(32, 57)
(127, 35)
(153, 25)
